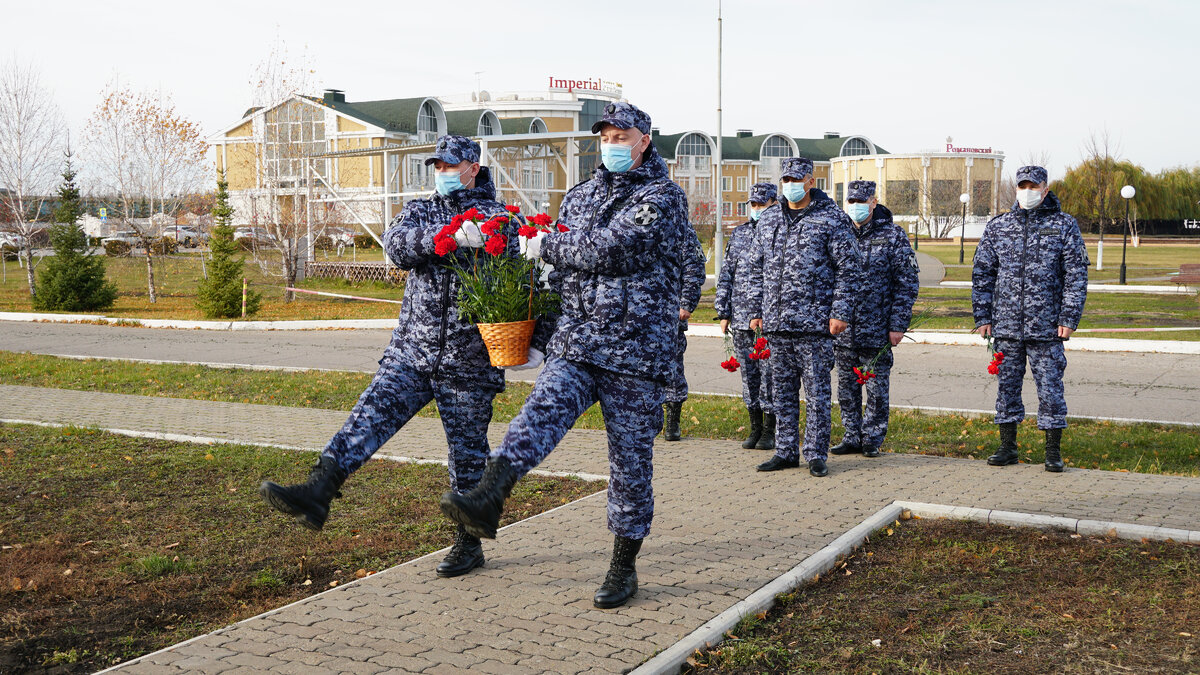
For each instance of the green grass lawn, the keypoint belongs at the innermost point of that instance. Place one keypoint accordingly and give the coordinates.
(117, 546)
(1146, 448)
(1147, 260)
(943, 596)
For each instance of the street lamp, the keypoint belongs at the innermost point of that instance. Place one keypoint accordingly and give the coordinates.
(964, 198)
(1127, 192)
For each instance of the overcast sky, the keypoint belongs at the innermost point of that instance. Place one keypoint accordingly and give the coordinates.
(1030, 79)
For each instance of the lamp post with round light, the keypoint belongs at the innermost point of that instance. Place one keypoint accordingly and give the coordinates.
(964, 198)
(1127, 192)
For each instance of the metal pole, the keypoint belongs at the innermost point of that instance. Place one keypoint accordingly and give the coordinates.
(719, 230)
(1100, 248)
(1124, 238)
(963, 236)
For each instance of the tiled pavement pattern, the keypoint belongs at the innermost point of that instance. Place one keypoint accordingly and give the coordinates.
(721, 531)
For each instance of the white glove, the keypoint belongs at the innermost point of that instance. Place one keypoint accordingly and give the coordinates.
(532, 248)
(469, 235)
(536, 357)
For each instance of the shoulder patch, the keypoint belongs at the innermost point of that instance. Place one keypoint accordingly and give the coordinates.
(646, 214)
(912, 260)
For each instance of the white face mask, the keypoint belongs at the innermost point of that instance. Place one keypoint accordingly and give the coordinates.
(1030, 199)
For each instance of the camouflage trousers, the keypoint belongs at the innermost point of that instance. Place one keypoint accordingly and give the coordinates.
(801, 361)
(868, 433)
(676, 389)
(632, 409)
(1048, 362)
(756, 375)
(394, 396)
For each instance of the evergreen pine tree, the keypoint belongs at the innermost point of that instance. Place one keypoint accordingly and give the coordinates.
(73, 280)
(220, 295)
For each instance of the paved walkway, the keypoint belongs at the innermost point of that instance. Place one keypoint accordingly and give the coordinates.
(721, 531)
(1163, 387)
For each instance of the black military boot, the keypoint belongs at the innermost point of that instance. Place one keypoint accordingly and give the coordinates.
(478, 511)
(756, 428)
(845, 448)
(1054, 461)
(464, 556)
(817, 467)
(671, 412)
(621, 582)
(767, 440)
(1007, 454)
(777, 463)
(309, 501)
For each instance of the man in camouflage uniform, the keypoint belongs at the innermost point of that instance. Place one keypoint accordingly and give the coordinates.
(433, 356)
(879, 319)
(733, 309)
(1027, 291)
(618, 269)
(676, 391)
(803, 279)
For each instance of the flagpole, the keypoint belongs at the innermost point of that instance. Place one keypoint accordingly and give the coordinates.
(719, 234)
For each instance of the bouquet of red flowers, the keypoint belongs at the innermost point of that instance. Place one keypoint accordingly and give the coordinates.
(730, 363)
(760, 352)
(997, 357)
(498, 292)
(868, 373)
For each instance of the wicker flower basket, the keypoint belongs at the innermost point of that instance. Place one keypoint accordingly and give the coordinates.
(507, 343)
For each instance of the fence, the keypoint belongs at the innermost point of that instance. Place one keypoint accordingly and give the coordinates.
(354, 271)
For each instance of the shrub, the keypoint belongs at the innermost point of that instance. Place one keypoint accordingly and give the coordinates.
(364, 241)
(117, 248)
(323, 243)
(164, 246)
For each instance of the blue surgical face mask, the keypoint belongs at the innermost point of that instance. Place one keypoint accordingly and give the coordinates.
(794, 192)
(755, 213)
(617, 157)
(858, 212)
(448, 181)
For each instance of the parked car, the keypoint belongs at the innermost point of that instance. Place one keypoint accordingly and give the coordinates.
(256, 234)
(128, 236)
(12, 240)
(185, 235)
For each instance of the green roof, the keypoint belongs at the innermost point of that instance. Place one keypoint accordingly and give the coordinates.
(748, 147)
(516, 125)
(396, 114)
(465, 122)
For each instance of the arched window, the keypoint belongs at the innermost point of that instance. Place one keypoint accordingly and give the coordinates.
(488, 124)
(537, 126)
(694, 144)
(777, 146)
(855, 146)
(427, 123)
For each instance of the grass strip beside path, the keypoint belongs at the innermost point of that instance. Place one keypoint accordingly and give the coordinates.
(942, 596)
(114, 547)
(1143, 448)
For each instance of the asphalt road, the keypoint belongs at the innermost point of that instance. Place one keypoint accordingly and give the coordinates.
(1160, 387)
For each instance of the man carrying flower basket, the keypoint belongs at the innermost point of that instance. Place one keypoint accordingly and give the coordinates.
(433, 355)
(617, 258)
(878, 320)
(1028, 288)
(804, 278)
(733, 309)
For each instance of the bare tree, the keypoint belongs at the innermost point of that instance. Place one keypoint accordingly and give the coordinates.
(141, 150)
(935, 189)
(31, 130)
(293, 127)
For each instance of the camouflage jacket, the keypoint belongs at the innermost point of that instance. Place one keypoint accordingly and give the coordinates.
(889, 287)
(431, 337)
(619, 269)
(693, 271)
(805, 269)
(733, 291)
(1030, 274)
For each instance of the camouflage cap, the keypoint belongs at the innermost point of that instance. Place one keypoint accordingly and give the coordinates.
(453, 149)
(861, 189)
(623, 116)
(1033, 174)
(761, 193)
(796, 167)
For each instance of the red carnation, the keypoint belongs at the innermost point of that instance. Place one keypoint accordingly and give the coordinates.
(457, 221)
(512, 208)
(445, 246)
(562, 228)
(541, 220)
(994, 368)
(999, 356)
(731, 364)
(490, 227)
(760, 344)
(765, 354)
(495, 245)
(472, 214)
(528, 232)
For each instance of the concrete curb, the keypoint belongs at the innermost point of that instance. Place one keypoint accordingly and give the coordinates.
(1077, 344)
(711, 633)
(1105, 288)
(212, 440)
(671, 660)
